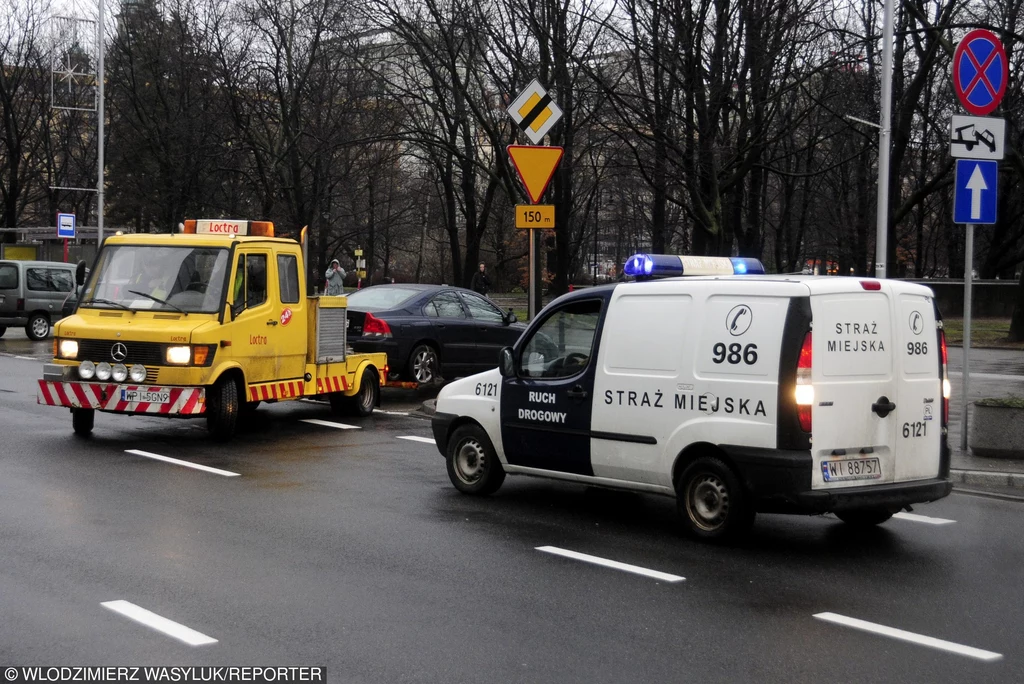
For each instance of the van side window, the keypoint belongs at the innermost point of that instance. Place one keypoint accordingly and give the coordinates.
(288, 274)
(8, 277)
(48, 280)
(562, 346)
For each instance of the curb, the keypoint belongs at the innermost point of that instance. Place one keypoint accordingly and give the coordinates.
(986, 478)
(429, 408)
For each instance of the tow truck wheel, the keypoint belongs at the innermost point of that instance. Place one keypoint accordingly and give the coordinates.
(222, 409)
(473, 465)
(864, 517)
(712, 502)
(364, 400)
(38, 327)
(82, 420)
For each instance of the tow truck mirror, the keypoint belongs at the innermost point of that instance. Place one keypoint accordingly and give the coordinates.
(80, 274)
(510, 317)
(506, 362)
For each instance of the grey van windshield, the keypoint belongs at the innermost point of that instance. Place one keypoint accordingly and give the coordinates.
(137, 277)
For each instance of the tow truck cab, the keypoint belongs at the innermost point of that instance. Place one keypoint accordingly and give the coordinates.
(733, 391)
(212, 320)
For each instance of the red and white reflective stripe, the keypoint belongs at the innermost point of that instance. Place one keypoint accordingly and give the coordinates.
(181, 400)
(278, 390)
(334, 384)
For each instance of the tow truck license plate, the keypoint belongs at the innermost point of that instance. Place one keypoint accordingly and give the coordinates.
(851, 469)
(146, 396)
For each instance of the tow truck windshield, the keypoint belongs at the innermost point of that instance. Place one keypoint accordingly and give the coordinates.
(137, 277)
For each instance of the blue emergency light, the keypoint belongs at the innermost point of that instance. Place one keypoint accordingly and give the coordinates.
(671, 265)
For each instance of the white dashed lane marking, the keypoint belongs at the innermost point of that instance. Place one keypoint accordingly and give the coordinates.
(168, 459)
(159, 623)
(625, 567)
(425, 440)
(328, 423)
(911, 637)
(928, 520)
(392, 413)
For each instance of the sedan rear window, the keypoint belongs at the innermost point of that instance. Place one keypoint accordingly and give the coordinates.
(380, 298)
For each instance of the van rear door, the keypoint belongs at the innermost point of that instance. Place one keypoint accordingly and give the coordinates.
(856, 388)
(918, 415)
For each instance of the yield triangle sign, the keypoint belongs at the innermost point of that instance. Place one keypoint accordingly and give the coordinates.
(535, 166)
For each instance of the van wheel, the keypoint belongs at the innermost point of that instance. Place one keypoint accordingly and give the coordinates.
(222, 409)
(82, 420)
(473, 465)
(38, 327)
(424, 364)
(864, 517)
(712, 502)
(364, 400)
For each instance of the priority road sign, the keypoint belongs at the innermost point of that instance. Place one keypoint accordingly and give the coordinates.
(535, 112)
(66, 226)
(535, 166)
(980, 72)
(976, 195)
(977, 137)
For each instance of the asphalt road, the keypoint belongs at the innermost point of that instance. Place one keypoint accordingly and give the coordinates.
(349, 548)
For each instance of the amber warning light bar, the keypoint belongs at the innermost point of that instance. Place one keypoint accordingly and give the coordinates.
(229, 227)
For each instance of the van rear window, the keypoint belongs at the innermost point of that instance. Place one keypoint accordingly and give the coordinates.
(8, 277)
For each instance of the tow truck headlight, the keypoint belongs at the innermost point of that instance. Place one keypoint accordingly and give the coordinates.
(179, 356)
(87, 370)
(69, 349)
(137, 373)
(103, 371)
(119, 372)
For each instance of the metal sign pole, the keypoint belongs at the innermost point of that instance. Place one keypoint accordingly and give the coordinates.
(532, 307)
(968, 278)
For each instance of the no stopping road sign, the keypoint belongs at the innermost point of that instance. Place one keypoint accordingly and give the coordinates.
(980, 72)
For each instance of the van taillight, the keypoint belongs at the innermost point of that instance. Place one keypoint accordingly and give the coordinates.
(945, 378)
(19, 305)
(804, 388)
(375, 327)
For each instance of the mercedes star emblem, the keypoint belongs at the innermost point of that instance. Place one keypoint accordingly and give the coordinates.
(119, 352)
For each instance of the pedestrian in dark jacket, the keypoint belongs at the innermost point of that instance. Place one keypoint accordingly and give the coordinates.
(480, 283)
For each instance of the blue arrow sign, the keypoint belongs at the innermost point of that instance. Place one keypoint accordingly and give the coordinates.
(977, 184)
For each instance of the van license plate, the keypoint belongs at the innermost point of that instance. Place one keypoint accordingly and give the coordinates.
(851, 469)
(146, 396)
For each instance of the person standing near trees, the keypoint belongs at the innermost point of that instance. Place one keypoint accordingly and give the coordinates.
(480, 283)
(335, 278)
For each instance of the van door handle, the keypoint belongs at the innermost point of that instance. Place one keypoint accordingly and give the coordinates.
(577, 393)
(271, 322)
(883, 407)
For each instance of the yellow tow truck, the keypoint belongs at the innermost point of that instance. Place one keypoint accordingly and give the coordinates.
(209, 321)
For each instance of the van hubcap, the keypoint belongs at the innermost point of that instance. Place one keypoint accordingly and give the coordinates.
(469, 461)
(40, 327)
(708, 501)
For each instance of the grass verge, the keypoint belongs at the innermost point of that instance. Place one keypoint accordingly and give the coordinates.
(985, 332)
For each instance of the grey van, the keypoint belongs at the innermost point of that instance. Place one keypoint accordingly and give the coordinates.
(31, 294)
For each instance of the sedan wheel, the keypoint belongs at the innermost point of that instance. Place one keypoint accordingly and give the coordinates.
(423, 364)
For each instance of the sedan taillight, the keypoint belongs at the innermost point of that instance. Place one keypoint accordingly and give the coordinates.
(375, 327)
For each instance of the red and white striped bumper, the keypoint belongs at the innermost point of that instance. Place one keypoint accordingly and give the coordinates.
(183, 401)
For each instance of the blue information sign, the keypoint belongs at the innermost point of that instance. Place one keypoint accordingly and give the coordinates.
(977, 184)
(66, 226)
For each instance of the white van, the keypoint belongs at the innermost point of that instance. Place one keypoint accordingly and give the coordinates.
(734, 394)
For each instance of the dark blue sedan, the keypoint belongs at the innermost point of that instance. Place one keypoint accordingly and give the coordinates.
(430, 332)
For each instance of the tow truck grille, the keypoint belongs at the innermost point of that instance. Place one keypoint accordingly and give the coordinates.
(146, 353)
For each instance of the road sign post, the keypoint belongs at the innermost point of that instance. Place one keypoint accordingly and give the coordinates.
(980, 74)
(535, 113)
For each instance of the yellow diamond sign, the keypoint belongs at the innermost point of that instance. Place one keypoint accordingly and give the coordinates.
(534, 112)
